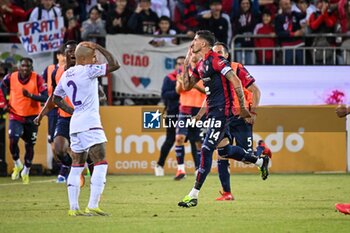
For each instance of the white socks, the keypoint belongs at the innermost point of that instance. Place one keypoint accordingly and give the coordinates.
(98, 180)
(259, 162)
(17, 163)
(181, 167)
(73, 185)
(25, 170)
(194, 193)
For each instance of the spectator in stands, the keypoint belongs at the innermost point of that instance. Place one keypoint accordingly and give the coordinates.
(27, 5)
(46, 10)
(69, 4)
(67, 15)
(217, 22)
(160, 7)
(11, 15)
(323, 21)
(344, 19)
(227, 6)
(143, 20)
(93, 29)
(244, 24)
(289, 32)
(72, 30)
(105, 6)
(117, 19)
(344, 16)
(164, 29)
(185, 20)
(265, 28)
(305, 7)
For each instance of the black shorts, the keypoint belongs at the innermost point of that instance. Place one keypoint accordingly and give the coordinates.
(62, 127)
(26, 130)
(241, 132)
(191, 133)
(52, 121)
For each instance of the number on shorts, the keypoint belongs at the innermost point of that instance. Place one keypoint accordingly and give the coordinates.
(75, 89)
(214, 135)
(250, 143)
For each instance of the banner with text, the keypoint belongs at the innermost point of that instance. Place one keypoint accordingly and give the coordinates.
(302, 139)
(143, 66)
(41, 36)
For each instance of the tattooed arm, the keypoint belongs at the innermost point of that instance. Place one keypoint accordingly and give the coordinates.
(188, 81)
(62, 104)
(49, 105)
(232, 77)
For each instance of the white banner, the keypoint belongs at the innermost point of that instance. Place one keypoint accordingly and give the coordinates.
(41, 36)
(143, 66)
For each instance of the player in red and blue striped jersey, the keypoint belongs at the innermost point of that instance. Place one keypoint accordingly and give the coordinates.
(219, 79)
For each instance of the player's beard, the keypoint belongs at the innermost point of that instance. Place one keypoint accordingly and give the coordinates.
(196, 50)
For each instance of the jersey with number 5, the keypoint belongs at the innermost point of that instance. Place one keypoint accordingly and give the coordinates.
(80, 84)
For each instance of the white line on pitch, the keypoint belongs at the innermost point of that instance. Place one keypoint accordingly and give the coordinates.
(31, 182)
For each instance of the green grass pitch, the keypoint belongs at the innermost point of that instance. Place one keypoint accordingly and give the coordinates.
(144, 203)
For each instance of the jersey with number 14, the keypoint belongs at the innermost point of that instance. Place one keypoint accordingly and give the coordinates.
(80, 84)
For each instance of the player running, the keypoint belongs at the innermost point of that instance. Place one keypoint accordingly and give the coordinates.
(240, 129)
(219, 79)
(80, 84)
(26, 89)
(61, 133)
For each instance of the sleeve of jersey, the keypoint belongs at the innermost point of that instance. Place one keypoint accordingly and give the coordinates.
(95, 71)
(53, 79)
(194, 72)
(59, 90)
(245, 77)
(221, 65)
(42, 86)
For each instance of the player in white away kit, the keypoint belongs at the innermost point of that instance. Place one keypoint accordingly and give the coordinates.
(80, 84)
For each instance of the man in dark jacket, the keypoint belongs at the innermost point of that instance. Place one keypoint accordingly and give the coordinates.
(143, 20)
(171, 102)
(289, 32)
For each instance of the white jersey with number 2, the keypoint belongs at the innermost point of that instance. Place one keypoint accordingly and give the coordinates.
(80, 84)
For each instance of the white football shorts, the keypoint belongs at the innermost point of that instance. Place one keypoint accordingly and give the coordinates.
(82, 141)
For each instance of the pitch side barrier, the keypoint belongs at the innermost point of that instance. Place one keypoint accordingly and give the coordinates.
(314, 49)
(303, 139)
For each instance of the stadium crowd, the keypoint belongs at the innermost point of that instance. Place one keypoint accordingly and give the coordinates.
(289, 20)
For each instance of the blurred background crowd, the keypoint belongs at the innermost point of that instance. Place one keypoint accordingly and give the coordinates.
(287, 23)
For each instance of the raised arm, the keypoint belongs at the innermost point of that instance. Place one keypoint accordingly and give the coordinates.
(188, 80)
(112, 63)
